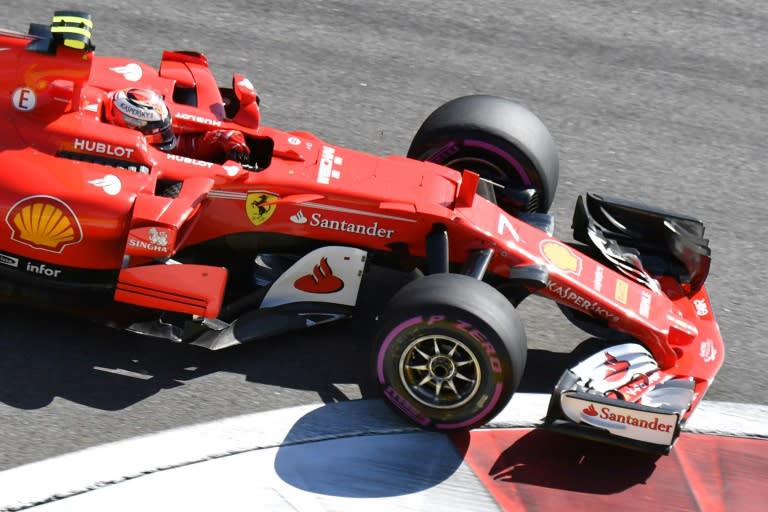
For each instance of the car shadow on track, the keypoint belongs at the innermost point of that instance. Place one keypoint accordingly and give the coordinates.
(48, 355)
(533, 468)
(363, 450)
(556, 461)
(110, 370)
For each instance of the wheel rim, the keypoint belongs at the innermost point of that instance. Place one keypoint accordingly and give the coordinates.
(496, 173)
(494, 164)
(440, 371)
(481, 166)
(487, 159)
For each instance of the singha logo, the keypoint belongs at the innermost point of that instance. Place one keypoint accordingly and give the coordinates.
(159, 238)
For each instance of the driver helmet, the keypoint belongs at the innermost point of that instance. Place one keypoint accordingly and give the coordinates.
(143, 110)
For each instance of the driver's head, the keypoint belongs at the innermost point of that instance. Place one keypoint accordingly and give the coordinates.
(143, 110)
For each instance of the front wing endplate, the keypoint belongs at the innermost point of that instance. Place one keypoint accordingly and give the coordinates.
(620, 397)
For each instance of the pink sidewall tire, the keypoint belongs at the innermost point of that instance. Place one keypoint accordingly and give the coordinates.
(451, 351)
(497, 138)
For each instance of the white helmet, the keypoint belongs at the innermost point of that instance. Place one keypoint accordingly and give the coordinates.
(143, 110)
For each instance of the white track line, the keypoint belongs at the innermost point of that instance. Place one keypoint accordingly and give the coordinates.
(76, 474)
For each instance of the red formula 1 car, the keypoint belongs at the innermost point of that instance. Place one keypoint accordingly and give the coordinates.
(221, 253)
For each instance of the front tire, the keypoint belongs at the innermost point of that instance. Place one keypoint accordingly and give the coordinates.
(451, 351)
(498, 139)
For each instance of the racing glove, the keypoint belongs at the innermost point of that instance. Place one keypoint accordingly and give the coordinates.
(215, 146)
(231, 142)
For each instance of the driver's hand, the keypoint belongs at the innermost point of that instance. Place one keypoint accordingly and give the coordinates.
(231, 142)
(239, 154)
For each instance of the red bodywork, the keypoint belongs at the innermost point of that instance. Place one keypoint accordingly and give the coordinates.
(66, 214)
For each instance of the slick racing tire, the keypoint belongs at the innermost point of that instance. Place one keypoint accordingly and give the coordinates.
(498, 139)
(451, 351)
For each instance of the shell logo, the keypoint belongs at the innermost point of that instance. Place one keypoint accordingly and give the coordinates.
(561, 256)
(44, 222)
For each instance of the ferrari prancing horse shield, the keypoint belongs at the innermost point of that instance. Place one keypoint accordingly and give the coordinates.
(259, 206)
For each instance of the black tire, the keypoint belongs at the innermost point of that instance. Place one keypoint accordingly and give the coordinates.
(451, 351)
(497, 138)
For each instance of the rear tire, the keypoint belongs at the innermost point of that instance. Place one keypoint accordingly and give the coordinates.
(497, 138)
(451, 351)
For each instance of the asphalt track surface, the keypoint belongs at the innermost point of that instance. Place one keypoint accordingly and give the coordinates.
(662, 102)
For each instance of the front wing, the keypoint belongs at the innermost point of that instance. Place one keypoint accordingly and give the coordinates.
(620, 396)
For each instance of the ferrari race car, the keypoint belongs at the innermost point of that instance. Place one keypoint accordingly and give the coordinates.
(99, 221)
